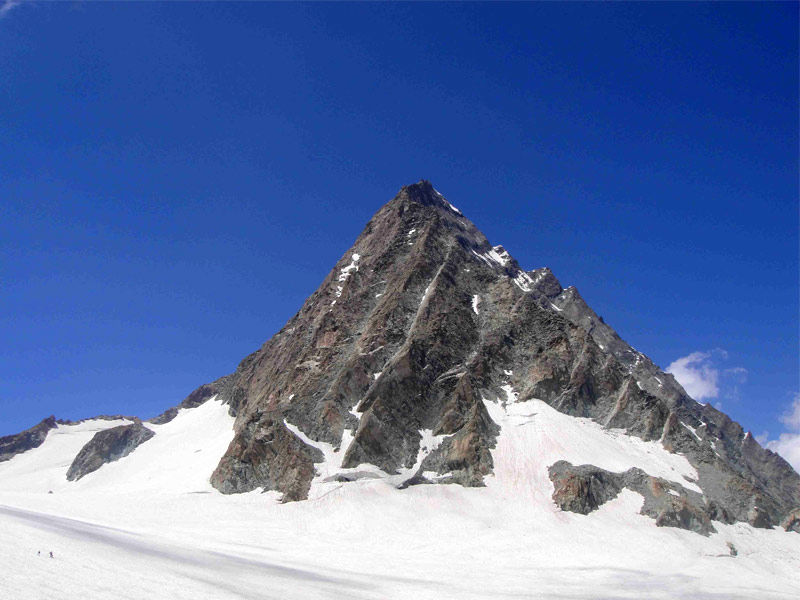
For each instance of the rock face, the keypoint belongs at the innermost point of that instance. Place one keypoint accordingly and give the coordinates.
(11, 445)
(585, 488)
(107, 446)
(418, 322)
(271, 455)
(792, 521)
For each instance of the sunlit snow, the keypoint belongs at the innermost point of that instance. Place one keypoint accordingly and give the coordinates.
(151, 526)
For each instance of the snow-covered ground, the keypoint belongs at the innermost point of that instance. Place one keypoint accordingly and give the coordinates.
(151, 526)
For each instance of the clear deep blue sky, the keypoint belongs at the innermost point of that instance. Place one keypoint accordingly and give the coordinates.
(175, 179)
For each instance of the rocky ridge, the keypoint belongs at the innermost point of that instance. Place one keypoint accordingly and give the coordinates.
(11, 445)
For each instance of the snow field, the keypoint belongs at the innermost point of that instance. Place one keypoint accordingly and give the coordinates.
(150, 525)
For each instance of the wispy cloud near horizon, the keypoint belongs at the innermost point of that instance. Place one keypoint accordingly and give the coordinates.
(788, 443)
(705, 377)
(8, 6)
(696, 374)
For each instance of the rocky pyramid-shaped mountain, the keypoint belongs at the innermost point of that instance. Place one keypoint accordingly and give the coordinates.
(387, 368)
(425, 344)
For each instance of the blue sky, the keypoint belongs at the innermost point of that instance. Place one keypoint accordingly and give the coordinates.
(175, 179)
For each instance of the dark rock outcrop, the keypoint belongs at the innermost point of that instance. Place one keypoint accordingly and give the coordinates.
(585, 488)
(792, 521)
(269, 457)
(107, 446)
(11, 445)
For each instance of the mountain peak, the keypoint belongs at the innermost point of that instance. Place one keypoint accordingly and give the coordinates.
(425, 194)
(426, 348)
(405, 361)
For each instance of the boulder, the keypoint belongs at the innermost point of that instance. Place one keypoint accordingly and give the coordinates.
(108, 446)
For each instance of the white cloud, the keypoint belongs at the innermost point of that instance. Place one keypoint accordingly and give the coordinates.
(788, 446)
(8, 6)
(792, 417)
(705, 376)
(702, 377)
(788, 443)
(697, 375)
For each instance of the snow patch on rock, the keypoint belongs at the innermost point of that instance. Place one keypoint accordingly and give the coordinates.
(534, 435)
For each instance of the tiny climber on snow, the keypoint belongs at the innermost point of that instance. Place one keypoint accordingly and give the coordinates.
(51, 554)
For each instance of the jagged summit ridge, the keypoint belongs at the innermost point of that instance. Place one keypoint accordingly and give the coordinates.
(425, 194)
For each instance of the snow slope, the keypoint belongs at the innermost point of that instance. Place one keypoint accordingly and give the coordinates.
(150, 526)
(536, 435)
(178, 459)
